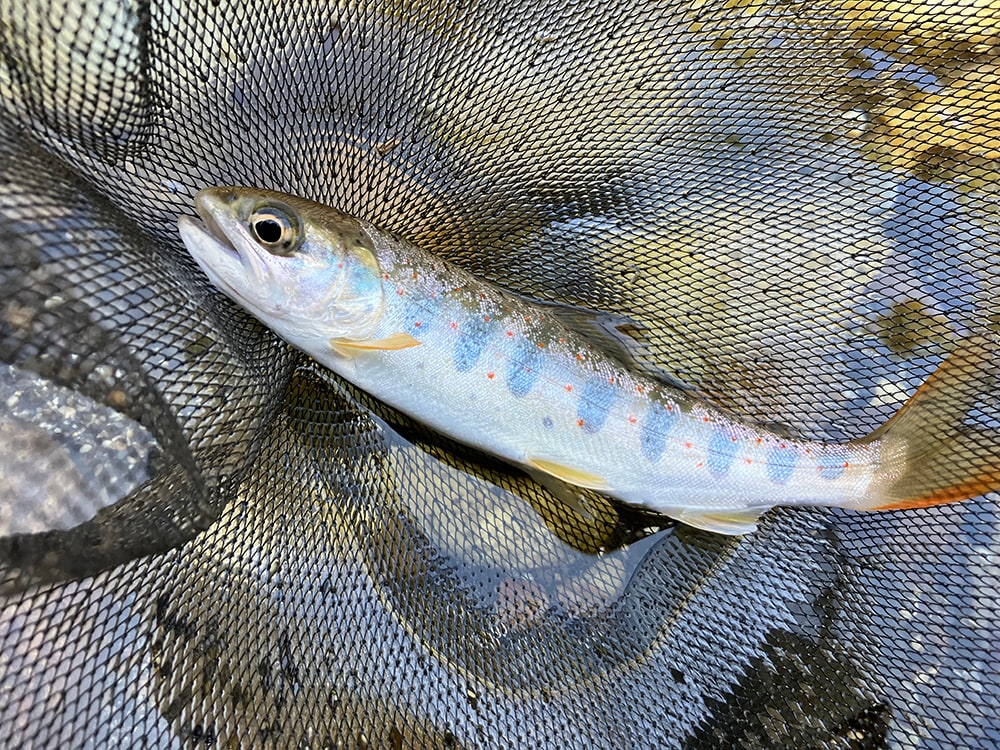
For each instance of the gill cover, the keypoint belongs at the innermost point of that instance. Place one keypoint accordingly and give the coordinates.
(306, 271)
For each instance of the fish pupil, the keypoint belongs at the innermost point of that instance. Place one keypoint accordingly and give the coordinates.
(275, 229)
(268, 230)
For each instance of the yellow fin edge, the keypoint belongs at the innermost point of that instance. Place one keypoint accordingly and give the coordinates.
(395, 342)
(569, 474)
(729, 522)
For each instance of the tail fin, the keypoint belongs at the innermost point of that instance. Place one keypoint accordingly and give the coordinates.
(940, 458)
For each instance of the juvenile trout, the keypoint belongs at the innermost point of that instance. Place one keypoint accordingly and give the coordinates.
(509, 376)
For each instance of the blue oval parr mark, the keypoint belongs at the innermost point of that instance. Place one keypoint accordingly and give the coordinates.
(415, 316)
(657, 425)
(524, 369)
(721, 451)
(595, 403)
(781, 463)
(831, 465)
(473, 335)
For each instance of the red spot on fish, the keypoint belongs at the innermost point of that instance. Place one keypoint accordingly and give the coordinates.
(414, 274)
(688, 446)
(454, 325)
(490, 375)
(579, 358)
(632, 419)
(670, 407)
(782, 445)
(760, 440)
(510, 333)
(733, 438)
(400, 292)
(704, 419)
(808, 452)
(417, 324)
(385, 276)
(340, 264)
(699, 464)
(562, 341)
(749, 461)
(541, 345)
(639, 388)
(579, 423)
(482, 295)
(846, 464)
(527, 319)
(433, 295)
(569, 387)
(486, 318)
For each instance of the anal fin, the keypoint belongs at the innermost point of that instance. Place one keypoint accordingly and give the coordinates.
(352, 347)
(570, 494)
(568, 474)
(730, 522)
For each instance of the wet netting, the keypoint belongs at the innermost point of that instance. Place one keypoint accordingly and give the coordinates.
(207, 540)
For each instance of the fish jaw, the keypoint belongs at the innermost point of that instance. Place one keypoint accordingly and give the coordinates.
(221, 262)
(218, 246)
(214, 206)
(224, 249)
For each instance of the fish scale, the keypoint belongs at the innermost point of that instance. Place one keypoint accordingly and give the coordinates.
(663, 449)
(509, 376)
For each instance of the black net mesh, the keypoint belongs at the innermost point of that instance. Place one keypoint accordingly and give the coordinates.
(207, 540)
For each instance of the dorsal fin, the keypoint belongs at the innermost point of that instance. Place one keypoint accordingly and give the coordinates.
(606, 332)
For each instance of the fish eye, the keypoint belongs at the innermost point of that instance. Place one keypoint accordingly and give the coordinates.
(274, 229)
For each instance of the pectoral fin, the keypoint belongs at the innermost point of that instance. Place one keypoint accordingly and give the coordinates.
(353, 347)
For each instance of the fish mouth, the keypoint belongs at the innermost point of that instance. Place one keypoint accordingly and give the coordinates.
(218, 245)
(208, 207)
(211, 247)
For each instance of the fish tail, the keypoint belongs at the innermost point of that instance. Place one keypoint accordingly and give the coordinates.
(932, 456)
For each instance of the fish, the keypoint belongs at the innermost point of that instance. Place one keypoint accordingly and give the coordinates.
(550, 388)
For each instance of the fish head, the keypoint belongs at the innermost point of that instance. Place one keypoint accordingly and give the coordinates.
(307, 271)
